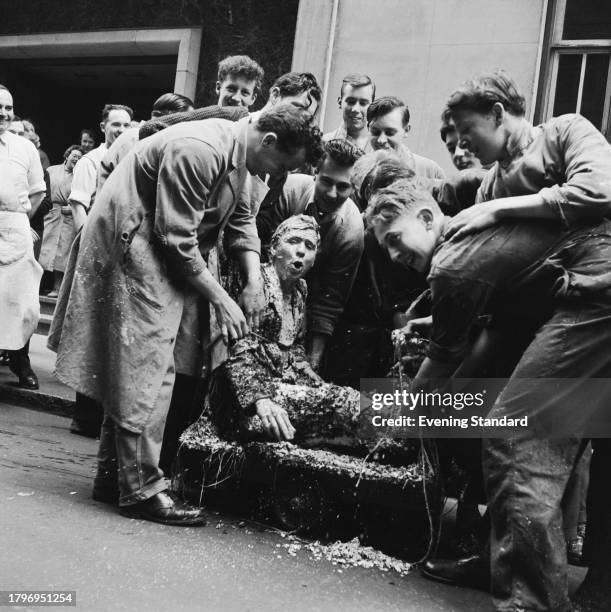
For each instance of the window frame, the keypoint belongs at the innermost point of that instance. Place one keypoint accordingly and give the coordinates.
(558, 46)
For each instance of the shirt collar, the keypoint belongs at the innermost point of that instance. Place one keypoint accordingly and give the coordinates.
(519, 141)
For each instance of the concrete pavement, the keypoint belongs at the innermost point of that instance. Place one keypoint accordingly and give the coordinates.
(55, 537)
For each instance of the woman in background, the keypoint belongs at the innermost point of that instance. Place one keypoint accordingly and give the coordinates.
(59, 228)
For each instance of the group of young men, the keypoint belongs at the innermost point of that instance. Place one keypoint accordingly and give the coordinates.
(144, 309)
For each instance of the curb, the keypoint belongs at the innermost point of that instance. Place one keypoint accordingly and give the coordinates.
(37, 400)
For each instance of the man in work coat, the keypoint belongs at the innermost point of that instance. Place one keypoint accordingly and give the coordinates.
(141, 256)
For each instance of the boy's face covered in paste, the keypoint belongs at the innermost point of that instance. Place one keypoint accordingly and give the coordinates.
(294, 253)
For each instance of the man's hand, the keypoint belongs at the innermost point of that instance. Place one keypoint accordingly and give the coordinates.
(472, 219)
(35, 236)
(275, 420)
(421, 326)
(305, 368)
(230, 318)
(252, 301)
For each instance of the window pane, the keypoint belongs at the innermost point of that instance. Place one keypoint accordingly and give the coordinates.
(594, 88)
(587, 19)
(567, 85)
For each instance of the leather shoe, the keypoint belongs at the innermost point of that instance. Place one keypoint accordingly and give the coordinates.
(23, 371)
(471, 572)
(28, 381)
(161, 508)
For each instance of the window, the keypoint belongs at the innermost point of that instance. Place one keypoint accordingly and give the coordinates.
(578, 78)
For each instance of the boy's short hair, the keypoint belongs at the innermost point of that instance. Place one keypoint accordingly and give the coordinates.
(171, 103)
(385, 105)
(294, 130)
(343, 152)
(402, 196)
(483, 91)
(358, 80)
(295, 83)
(387, 169)
(111, 107)
(242, 66)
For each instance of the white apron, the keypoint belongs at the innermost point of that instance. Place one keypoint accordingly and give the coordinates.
(19, 281)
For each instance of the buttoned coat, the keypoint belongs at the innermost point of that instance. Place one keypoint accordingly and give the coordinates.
(157, 215)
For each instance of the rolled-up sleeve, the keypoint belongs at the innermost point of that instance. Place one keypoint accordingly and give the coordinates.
(187, 172)
(83, 182)
(332, 281)
(583, 155)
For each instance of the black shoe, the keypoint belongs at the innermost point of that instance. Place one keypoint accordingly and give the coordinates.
(20, 367)
(471, 572)
(161, 508)
(82, 429)
(28, 380)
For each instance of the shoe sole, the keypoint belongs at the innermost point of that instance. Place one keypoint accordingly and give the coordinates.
(194, 522)
(450, 582)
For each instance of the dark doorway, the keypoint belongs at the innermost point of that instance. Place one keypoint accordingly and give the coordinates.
(64, 96)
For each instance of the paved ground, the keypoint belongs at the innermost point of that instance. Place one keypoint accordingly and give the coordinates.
(55, 537)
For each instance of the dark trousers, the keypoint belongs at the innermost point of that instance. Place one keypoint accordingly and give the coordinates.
(19, 360)
(526, 475)
(185, 407)
(88, 415)
(597, 546)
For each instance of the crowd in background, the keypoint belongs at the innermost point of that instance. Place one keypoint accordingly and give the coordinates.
(248, 253)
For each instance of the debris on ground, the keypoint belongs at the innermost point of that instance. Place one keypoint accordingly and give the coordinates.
(347, 554)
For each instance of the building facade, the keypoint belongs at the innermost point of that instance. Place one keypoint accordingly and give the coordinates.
(420, 50)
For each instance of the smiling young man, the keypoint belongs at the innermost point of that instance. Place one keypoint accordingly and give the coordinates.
(116, 118)
(388, 120)
(356, 94)
(558, 276)
(326, 197)
(239, 81)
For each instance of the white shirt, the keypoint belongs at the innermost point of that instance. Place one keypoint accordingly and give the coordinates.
(21, 174)
(85, 175)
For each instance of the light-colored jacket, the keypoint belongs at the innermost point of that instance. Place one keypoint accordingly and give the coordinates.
(156, 217)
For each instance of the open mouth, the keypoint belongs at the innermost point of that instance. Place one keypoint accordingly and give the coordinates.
(297, 265)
